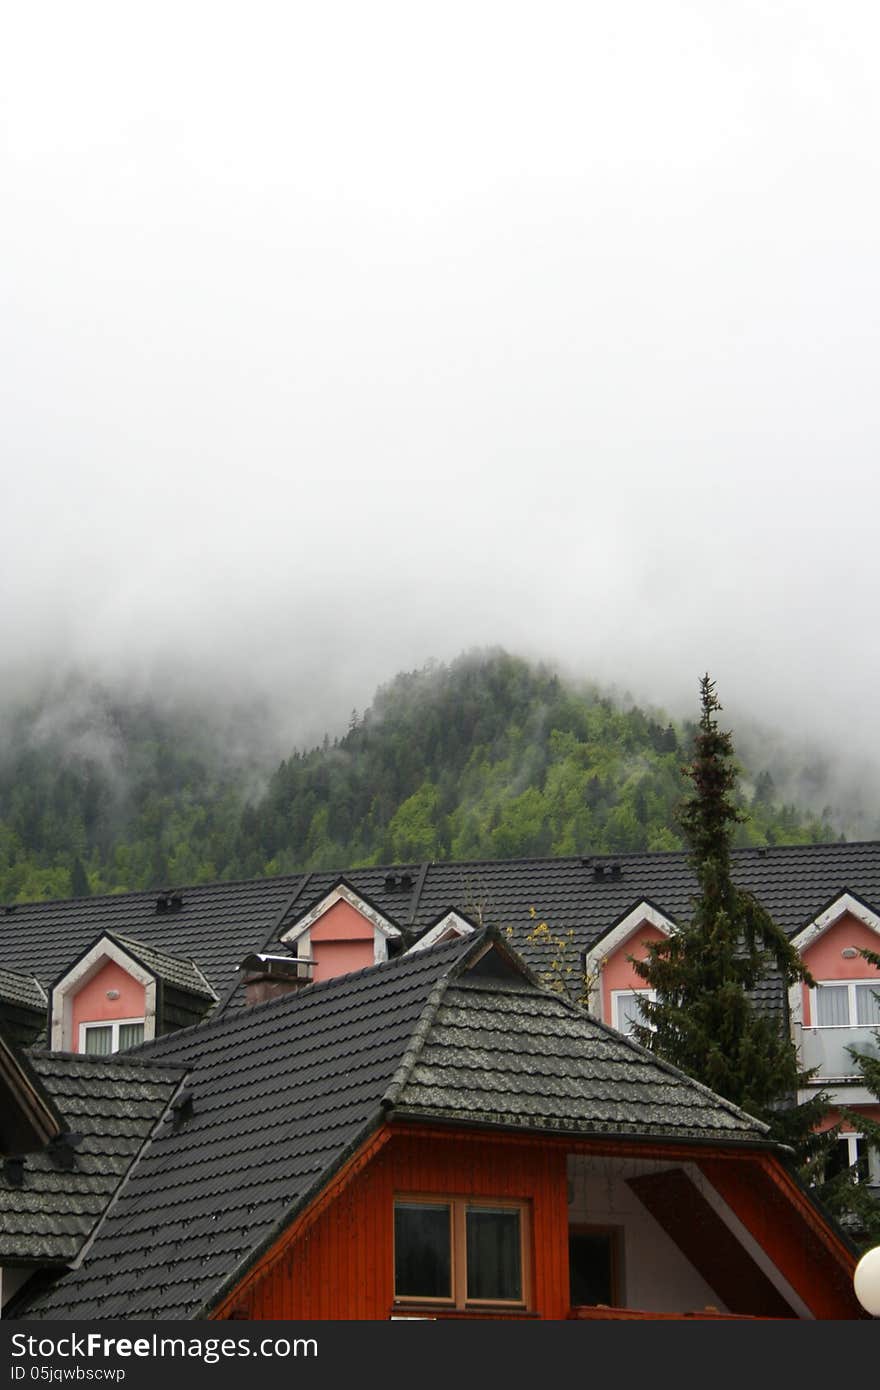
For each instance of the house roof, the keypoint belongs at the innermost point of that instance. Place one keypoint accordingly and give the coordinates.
(111, 1105)
(218, 924)
(23, 990)
(281, 1094)
(29, 1119)
(527, 1060)
(172, 970)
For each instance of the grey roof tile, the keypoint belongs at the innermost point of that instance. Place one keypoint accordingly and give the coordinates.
(113, 1103)
(219, 923)
(20, 988)
(281, 1092)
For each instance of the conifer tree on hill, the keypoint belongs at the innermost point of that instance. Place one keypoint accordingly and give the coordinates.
(705, 1019)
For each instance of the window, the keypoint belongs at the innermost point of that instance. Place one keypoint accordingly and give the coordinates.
(626, 1013)
(847, 1004)
(851, 1150)
(99, 1039)
(594, 1265)
(460, 1252)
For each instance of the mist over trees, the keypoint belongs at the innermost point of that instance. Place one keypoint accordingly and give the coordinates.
(487, 757)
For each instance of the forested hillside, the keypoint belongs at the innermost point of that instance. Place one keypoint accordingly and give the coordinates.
(486, 758)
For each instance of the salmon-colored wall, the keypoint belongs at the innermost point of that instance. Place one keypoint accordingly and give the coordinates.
(342, 922)
(91, 1005)
(832, 1117)
(619, 973)
(342, 941)
(824, 961)
(334, 958)
(343, 1265)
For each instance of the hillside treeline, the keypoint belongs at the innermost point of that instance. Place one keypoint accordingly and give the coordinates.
(488, 757)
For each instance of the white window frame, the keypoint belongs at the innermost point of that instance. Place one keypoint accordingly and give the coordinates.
(872, 1157)
(617, 994)
(851, 1002)
(112, 1023)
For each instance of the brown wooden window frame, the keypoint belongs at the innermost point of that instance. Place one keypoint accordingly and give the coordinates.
(458, 1207)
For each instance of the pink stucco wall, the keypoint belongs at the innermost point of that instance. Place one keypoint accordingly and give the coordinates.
(334, 958)
(619, 973)
(342, 941)
(342, 922)
(91, 1005)
(824, 961)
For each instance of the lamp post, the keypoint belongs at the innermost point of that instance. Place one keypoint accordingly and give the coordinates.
(866, 1281)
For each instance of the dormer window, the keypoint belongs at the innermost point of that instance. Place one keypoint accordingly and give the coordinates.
(121, 992)
(627, 1011)
(342, 932)
(100, 1039)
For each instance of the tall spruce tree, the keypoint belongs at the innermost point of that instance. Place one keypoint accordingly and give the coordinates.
(707, 1018)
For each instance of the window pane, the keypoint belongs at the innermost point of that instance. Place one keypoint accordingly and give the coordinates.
(99, 1041)
(629, 1011)
(130, 1034)
(832, 1006)
(422, 1246)
(868, 1004)
(493, 1254)
(590, 1265)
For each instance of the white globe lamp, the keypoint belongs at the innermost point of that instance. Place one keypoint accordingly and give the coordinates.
(866, 1281)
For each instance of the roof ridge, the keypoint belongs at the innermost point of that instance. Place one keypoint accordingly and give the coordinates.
(130, 1057)
(124, 1177)
(458, 966)
(404, 1068)
(217, 1018)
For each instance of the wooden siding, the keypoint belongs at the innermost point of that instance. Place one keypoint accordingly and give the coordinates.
(336, 1260)
(342, 1266)
(772, 1207)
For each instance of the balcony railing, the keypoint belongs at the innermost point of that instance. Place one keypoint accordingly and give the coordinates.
(826, 1048)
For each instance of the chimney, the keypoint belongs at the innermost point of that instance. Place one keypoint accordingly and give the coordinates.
(267, 977)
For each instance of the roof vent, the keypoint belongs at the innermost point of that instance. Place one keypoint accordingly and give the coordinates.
(390, 883)
(616, 871)
(9, 908)
(406, 883)
(61, 1150)
(168, 901)
(13, 1168)
(599, 871)
(162, 902)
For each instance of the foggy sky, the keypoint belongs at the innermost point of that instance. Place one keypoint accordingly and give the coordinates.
(338, 337)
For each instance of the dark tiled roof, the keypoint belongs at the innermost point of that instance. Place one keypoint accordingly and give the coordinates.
(216, 926)
(183, 974)
(220, 923)
(25, 990)
(283, 1092)
(526, 1059)
(113, 1104)
(280, 1092)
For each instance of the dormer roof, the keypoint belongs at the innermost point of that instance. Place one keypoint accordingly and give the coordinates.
(341, 891)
